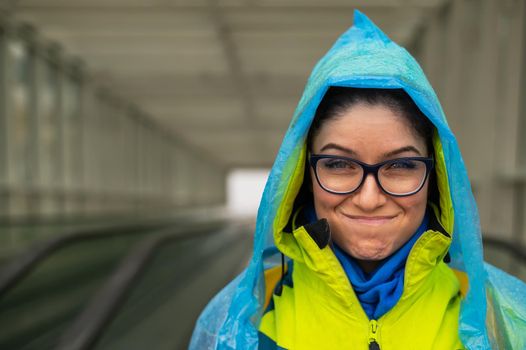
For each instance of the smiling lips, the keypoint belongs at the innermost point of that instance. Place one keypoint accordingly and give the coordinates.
(371, 220)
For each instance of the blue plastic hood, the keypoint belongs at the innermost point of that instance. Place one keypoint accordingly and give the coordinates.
(365, 57)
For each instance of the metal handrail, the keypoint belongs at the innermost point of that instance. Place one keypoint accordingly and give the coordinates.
(517, 250)
(90, 324)
(20, 267)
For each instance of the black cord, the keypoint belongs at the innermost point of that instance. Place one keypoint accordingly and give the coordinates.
(280, 289)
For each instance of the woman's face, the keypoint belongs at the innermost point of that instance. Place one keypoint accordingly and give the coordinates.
(369, 224)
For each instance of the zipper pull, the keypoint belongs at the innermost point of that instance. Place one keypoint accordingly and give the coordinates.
(373, 334)
(374, 346)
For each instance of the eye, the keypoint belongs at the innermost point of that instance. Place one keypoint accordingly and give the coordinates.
(337, 163)
(402, 164)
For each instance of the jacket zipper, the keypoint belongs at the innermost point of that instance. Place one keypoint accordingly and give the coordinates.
(373, 335)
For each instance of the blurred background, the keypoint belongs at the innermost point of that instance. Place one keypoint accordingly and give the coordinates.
(136, 137)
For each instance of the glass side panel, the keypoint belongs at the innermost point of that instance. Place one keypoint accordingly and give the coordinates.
(48, 124)
(3, 110)
(71, 130)
(18, 118)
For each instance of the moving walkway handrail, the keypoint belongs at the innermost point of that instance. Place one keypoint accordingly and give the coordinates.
(517, 250)
(21, 266)
(90, 324)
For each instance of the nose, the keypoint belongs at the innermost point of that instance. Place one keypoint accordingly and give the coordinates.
(369, 196)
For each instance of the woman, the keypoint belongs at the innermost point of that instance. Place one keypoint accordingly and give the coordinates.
(369, 160)
(367, 236)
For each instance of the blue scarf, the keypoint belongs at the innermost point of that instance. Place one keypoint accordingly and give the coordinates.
(380, 290)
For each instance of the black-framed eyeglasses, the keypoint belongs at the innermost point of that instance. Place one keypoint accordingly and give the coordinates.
(398, 177)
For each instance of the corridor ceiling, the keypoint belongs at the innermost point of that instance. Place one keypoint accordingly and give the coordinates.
(224, 75)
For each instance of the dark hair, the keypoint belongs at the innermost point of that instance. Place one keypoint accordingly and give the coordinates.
(339, 99)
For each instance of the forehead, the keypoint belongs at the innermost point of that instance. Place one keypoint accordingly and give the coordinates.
(366, 129)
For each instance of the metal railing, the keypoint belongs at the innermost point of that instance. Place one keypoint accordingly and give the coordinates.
(21, 266)
(514, 249)
(24, 263)
(92, 322)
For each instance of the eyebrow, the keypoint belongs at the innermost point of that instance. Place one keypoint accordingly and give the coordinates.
(402, 150)
(385, 155)
(338, 148)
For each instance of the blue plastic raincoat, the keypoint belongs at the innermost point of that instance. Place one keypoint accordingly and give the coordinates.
(492, 313)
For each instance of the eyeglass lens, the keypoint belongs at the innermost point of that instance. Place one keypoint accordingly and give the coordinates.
(399, 176)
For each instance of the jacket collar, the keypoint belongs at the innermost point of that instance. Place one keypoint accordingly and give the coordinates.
(310, 244)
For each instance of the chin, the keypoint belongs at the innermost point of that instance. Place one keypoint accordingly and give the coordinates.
(371, 257)
(371, 253)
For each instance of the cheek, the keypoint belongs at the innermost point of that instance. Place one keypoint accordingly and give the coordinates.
(324, 202)
(416, 204)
